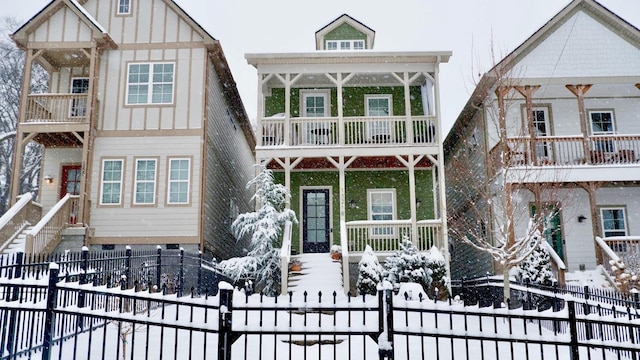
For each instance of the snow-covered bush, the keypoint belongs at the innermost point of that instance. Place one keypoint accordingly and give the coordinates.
(407, 265)
(263, 227)
(536, 268)
(369, 272)
(437, 271)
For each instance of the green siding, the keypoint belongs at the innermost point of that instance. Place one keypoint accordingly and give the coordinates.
(357, 183)
(353, 100)
(346, 32)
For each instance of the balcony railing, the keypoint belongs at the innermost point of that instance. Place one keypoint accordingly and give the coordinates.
(385, 236)
(359, 130)
(573, 150)
(56, 108)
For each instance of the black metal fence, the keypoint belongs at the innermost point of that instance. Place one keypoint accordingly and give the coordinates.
(57, 317)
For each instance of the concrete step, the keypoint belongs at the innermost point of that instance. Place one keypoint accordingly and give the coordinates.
(318, 273)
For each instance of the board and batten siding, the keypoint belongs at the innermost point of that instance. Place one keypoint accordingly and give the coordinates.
(159, 220)
(63, 26)
(229, 166)
(52, 161)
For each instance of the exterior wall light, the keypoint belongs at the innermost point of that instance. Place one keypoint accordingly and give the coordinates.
(48, 179)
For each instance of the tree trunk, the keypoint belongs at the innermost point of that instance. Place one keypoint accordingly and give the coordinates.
(505, 279)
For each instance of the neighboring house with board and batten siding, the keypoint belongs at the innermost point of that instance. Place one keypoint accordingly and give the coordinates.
(354, 134)
(142, 125)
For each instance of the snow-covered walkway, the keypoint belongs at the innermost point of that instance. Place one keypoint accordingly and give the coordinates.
(319, 273)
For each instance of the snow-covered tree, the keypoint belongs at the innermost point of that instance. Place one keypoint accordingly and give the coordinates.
(369, 272)
(407, 265)
(536, 268)
(263, 228)
(437, 271)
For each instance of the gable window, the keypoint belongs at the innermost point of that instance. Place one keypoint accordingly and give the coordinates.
(613, 222)
(150, 84)
(145, 181)
(179, 181)
(111, 187)
(381, 206)
(379, 131)
(344, 45)
(602, 124)
(124, 7)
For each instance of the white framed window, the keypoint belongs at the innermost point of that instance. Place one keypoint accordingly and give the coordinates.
(111, 186)
(613, 221)
(124, 7)
(150, 83)
(381, 205)
(79, 104)
(179, 180)
(344, 45)
(378, 106)
(145, 182)
(602, 123)
(315, 104)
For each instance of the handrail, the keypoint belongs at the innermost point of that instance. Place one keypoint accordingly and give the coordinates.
(46, 234)
(557, 262)
(21, 214)
(285, 256)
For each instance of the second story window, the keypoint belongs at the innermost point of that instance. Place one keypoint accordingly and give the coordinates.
(602, 124)
(150, 84)
(124, 7)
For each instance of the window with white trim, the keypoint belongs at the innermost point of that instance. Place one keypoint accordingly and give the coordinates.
(381, 205)
(344, 45)
(179, 179)
(613, 222)
(315, 104)
(602, 124)
(124, 7)
(111, 186)
(150, 83)
(145, 181)
(378, 106)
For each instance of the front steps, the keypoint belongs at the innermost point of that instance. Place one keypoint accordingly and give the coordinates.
(319, 273)
(17, 243)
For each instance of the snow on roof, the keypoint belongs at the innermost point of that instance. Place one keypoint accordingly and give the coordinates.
(89, 16)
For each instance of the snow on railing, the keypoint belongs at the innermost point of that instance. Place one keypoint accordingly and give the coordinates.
(285, 256)
(344, 246)
(47, 231)
(385, 235)
(558, 264)
(20, 215)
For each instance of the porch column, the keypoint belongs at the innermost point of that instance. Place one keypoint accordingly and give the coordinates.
(579, 91)
(260, 107)
(287, 110)
(409, 125)
(527, 92)
(501, 92)
(591, 188)
(410, 163)
(341, 139)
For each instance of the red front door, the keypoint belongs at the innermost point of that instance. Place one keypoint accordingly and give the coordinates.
(70, 184)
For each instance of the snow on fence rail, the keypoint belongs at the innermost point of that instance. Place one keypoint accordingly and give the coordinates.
(82, 321)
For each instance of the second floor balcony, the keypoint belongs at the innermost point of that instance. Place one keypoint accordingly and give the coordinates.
(56, 108)
(277, 131)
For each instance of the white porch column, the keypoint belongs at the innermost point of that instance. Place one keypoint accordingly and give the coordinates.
(407, 111)
(287, 109)
(341, 139)
(411, 165)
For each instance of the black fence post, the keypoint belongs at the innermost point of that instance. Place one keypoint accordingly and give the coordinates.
(181, 275)
(587, 310)
(199, 288)
(385, 351)
(224, 324)
(159, 267)
(573, 331)
(127, 270)
(49, 321)
(84, 266)
(636, 299)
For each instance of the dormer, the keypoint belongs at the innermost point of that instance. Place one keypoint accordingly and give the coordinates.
(343, 34)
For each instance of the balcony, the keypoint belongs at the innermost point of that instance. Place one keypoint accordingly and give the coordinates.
(572, 151)
(348, 131)
(56, 108)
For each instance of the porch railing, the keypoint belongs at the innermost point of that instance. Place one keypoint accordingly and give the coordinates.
(56, 108)
(19, 216)
(627, 248)
(557, 264)
(574, 150)
(609, 257)
(358, 130)
(46, 234)
(385, 236)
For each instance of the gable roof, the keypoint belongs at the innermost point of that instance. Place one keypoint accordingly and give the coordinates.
(101, 36)
(603, 15)
(344, 18)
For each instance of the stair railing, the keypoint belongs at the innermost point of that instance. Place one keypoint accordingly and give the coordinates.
(344, 247)
(46, 234)
(285, 257)
(557, 264)
(22, 214)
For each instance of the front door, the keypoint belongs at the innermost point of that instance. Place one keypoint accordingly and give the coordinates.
(315, 220)
(553, 228)
(70, 184)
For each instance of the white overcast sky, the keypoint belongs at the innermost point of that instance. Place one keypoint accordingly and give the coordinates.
(464, 27)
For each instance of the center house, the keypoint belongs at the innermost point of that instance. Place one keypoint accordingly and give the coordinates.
(355, 135)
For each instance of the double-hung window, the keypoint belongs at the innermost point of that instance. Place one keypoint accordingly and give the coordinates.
(111, 186)
(377, 106)
(315, 105)
(124, 7)
(150, 83)
(179, 177)
(381, 206)
(145, 182)
(602, 124)
(613, 222)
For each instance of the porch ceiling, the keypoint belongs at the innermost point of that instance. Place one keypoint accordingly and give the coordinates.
(601, 88)
(61, 58)
(360, 163)
(365, 79)
(58, 140)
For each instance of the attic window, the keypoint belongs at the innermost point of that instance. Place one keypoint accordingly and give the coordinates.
(124, 7)
(344, 45)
